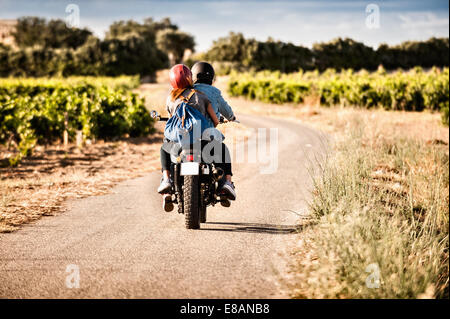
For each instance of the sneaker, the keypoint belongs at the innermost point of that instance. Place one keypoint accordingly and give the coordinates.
(167, 203)
(228, 189)
(165, 186)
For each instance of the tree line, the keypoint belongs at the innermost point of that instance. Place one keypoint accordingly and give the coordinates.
(49, 48)
(244, 54)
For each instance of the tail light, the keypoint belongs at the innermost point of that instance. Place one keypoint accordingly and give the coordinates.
(189, 158)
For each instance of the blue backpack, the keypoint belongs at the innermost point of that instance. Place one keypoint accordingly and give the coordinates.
(187, 124)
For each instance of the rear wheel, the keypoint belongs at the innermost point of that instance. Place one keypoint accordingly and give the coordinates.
(191, 205)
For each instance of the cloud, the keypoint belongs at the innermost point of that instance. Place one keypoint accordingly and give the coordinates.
(422, 20)
(299, 22)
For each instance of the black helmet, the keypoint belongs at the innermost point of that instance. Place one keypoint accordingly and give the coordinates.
(202, 72)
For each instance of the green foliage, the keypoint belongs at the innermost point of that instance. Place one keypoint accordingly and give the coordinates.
(250, 54)
(147, 30)
(276, 55)
(130, 54)
(34, 61)
(52, 49)
(34, 31)
(166, 35)
(175, 42)
(344, 54)
(409, 91)
(433, 52)
(233, 48)
(34, 111)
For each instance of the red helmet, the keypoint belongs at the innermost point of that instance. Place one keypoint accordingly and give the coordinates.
(180, 76)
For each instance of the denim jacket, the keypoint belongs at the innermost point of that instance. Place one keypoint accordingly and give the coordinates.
(218, 103)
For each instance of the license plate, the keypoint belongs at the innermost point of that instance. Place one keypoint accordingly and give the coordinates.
(190, 168)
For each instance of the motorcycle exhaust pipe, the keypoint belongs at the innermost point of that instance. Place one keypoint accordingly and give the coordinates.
(217, 173)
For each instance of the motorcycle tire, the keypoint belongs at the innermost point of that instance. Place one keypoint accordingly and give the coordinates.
(191, 198)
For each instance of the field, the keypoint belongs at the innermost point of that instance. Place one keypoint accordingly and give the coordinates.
(39, 171)
(415, 90)
(42, 111)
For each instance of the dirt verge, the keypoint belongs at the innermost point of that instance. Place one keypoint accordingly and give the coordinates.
(42, 182)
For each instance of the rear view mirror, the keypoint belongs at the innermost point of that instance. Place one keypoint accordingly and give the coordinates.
(154, 114)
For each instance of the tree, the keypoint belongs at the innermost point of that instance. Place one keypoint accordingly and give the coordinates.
(250, 53)
(52, 48)
(89, 58)
(131, 54)
(233, 48)
(169, 39)
(286, 57)
(175, 43)
(122, 28)
(29, 31)
(147, 30)
(344, 54)
(433, 52)
(58, 35)
(34, 31)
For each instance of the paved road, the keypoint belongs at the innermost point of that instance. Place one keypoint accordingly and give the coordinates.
(126, 246)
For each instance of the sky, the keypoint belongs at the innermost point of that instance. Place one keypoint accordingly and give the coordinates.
(299, 22)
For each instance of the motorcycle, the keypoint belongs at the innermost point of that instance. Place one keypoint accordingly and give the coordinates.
(195, 182)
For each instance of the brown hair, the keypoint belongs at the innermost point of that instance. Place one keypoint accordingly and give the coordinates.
(175, 93)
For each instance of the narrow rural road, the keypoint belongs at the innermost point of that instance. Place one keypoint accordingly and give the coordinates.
(126, 246)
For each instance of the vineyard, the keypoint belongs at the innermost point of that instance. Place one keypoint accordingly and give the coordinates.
(39, 111)
(415, 90)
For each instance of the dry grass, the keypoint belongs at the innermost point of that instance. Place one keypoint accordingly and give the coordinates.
(381, 199)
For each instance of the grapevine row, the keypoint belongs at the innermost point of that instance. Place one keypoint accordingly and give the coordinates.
(38, 111)
(415, 90)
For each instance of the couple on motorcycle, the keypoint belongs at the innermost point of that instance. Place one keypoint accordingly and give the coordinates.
(195, 89)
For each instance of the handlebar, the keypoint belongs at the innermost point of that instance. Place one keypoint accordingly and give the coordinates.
(155, 115)
(223, 120)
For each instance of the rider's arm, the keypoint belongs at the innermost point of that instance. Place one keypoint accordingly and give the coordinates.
(212, 114)
(225, 108)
